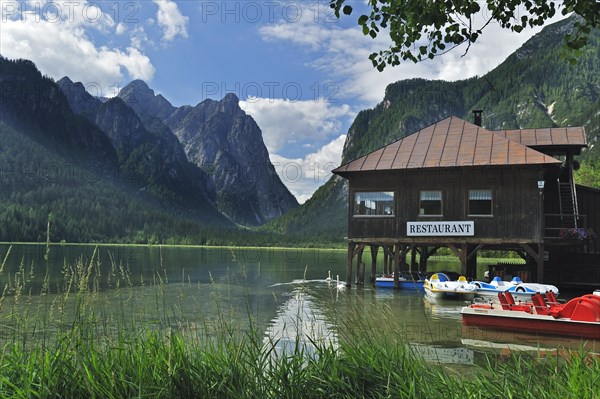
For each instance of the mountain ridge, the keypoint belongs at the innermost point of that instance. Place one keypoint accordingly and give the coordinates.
(227, 144)
(151, 160)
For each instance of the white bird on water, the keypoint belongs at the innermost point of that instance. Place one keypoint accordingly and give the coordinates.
(328, 279)
(340, 286)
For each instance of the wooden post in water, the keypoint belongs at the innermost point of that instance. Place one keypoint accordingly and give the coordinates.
(463, 259)
(423, 258)
(360, 273)
(385, 260)
(413, 258)
(396, 265)
(351, 246)
(374, 251)
(472, 261)
(359, 250)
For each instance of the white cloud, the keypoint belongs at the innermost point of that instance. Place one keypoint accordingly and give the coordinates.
(170, 18)
(120, 29)
(286, 122)
(303, 176)
(138, 37)
(60, 50)
(62, 47)
(342, 53)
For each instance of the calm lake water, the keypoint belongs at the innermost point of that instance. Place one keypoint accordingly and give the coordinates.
(283, 292)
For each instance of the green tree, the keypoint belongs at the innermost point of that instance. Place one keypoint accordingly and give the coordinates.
(589, 174)
(422, 29)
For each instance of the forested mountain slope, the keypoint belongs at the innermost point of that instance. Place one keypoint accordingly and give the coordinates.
(61, 167)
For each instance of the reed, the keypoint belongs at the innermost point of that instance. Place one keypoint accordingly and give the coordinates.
(71, 339)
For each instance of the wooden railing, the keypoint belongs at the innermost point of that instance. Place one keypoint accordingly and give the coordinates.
(557, 224)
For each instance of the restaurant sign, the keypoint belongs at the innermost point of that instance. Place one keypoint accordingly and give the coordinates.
(440, 229)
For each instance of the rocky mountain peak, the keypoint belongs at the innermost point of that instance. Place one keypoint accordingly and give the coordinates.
(230, 104)
(227, 144)
(80, 101)
(139, 96)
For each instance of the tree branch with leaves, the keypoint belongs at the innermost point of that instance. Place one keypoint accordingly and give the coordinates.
(424, 29)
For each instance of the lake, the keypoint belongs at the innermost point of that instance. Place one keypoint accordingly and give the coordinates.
(281, 292)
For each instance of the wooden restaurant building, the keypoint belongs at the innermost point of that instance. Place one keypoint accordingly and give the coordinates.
(457, 185)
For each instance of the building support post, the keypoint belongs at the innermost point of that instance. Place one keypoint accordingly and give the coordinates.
(396, 264)
(374, 252)
(472, 261)
(359, 252)
(423, 259)
(360, 273)
(385, 260)
(351, 247)
(539, 259)
(413, 258)
(461, 254)
(399, 257)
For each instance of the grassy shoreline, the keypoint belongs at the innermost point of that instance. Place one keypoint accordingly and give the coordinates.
(92, 244)
(170, 364)
(450, 258)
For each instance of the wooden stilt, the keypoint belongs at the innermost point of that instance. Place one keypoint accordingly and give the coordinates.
(423, 259)
(413, 258)
(403, 256)
(374, 251)
(463, 260)
(396, 265)
(539, 259)
(472, 261)
(399, 256)
(460, 252)
(359, 253)
(360, 274)
(385, 261)
(351, 247)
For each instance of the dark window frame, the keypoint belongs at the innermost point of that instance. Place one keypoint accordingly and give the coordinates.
(422, 209)
(391, 208)
(490, 200)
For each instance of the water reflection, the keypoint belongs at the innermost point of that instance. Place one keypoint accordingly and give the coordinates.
(443, 308)
(505, 342)
(440, 354)
(299, 321)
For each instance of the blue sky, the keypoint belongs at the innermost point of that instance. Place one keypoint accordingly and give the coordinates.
(298, 71)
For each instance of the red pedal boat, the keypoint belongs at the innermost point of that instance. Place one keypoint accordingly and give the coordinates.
(580, 317)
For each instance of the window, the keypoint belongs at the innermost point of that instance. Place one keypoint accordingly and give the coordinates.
(431, 203)
(480, 203)
(374, 203)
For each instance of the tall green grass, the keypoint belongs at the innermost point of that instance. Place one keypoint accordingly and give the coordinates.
(72, 340)
(149, 363)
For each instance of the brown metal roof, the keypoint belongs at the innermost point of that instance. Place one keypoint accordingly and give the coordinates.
(452, 142)
(556, 136)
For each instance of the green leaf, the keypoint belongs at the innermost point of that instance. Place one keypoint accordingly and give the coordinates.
(347, 10)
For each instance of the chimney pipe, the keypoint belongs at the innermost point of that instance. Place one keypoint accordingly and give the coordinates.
(477, 116)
